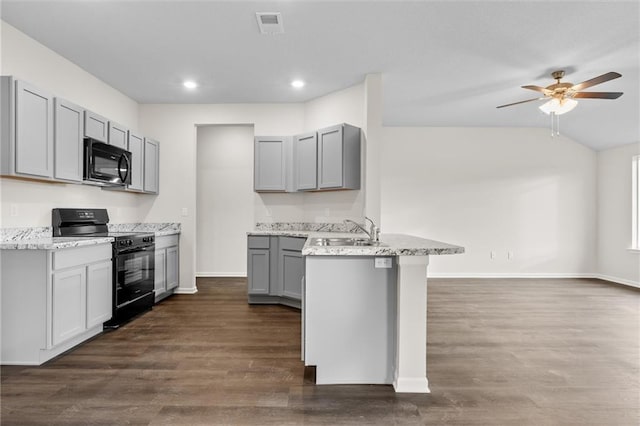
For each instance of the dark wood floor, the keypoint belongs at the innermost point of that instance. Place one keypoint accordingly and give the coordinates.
(500, 352)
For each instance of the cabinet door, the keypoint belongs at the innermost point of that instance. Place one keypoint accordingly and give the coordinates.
(99, 293)
(160, 276)
(305, 149)
(151, 164)
(136, 147)
(67, 141)
(291, 270)
(118, 135)
(68, 304)
(330, 157)
(173, 267)
(258, 271)
(34, 131)
(96, 127)
(270, 164)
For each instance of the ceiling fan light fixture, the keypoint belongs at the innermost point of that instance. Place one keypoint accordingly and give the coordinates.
(558, 107)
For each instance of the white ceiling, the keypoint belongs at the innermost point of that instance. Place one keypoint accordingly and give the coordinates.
(444, 63)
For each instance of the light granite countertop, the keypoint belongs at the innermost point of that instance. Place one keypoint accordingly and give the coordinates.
(39, 238)
(390, 244)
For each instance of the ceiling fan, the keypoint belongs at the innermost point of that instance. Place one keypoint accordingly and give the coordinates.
(562, 96)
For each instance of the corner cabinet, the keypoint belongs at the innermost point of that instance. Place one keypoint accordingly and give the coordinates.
(27, 130)
(70, 295)
(339, 157)
(324, 160)
(275, 269)
(167, 266)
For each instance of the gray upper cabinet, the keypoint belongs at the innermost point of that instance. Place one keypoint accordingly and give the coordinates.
(118, 135)
(96, 127)
(339, 157)
(328, 159)
(151, 166)
(270, 163)
(68, 147)
(305, 153)
(136, 147)
(27, 130)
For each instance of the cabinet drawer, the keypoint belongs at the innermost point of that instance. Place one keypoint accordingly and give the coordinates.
(76, 256)
(167, 241)
(292, 243)
(258, 242)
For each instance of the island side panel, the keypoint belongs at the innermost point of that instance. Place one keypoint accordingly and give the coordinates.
(411, 354)
(350, 319)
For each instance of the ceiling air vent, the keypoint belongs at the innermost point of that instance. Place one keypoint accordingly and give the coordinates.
(270, 22)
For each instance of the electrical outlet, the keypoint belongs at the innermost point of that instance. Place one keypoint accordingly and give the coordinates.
(185, 212)
(510, 255)
(492, 255)
(383, 262)
(14, 210)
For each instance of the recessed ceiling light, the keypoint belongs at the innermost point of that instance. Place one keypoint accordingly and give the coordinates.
(297, 84)
(190, 84)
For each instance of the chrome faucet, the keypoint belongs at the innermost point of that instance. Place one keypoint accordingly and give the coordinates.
(373, 233)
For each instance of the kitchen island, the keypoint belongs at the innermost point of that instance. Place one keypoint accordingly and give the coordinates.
(364, 308)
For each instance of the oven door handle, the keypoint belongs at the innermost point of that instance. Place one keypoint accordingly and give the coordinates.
(138, 249)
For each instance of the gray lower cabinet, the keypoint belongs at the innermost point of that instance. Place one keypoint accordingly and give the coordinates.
(151, 166)
(67, 141)
(52, 300)
(96, 126)
(271, 163)
(275, 268)
(167, 266)
(291, 266)
(27, 130)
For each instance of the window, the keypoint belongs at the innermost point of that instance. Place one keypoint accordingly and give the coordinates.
(635, 185)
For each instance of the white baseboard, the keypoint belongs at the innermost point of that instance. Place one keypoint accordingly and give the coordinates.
(617, 280)
(221, 274)
(534, 275)
(508, 275)
(192, 290)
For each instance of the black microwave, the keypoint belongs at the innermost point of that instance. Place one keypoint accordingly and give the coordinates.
(106, 164)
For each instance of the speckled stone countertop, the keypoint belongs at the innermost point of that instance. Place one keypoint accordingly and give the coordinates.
(39, 238)
(390, 244)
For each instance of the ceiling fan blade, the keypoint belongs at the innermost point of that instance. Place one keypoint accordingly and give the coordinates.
(598, 95)
(538, 89)
(521, 102)
(596, 80)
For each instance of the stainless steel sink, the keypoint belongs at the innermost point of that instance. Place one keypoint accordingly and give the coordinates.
(351, 242)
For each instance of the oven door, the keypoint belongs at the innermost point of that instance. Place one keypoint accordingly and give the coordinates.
(134, 274)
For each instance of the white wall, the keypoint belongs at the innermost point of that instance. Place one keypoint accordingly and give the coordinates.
(493, 189)
(175, 127)
(29, 60)
(224, 199)
(615, 261)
